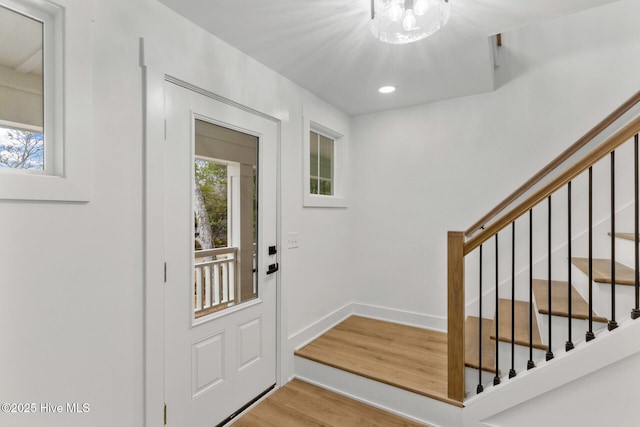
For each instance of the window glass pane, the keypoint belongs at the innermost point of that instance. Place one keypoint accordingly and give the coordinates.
(21, 149)
(210, 205)
(326, 157)
(325, 188)
(21, 92)
(313, 185)
(226, 201)
(313, 149)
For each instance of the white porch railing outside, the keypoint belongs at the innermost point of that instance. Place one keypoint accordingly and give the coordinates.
(215, 279)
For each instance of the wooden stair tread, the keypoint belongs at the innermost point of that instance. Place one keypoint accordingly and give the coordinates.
(602, 271)
(521, 315)
(410, 358)
(560, 301)
(299, 404)
(625, 236)
(471, 350)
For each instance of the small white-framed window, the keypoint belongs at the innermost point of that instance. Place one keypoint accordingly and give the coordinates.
(45, 100)
(324, 157)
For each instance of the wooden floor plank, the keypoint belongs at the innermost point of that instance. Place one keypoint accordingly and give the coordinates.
(521, 324)
(602, 271)
(472, 349)
(300, 404)
(560, 300)
(402, 356)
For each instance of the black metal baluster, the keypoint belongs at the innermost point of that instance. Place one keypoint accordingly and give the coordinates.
(480, 388)
(549, 354)
(569, 344)
(512, 371)
(612, 323)
(590, 335)
(530, 364)
(496, 378)
(635, 312)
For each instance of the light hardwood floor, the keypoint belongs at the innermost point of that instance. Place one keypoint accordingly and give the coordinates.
(300, 404)
(410, 358)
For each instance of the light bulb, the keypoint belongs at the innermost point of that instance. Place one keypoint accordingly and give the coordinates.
(409, 21)
(420, 7)
(395, 12)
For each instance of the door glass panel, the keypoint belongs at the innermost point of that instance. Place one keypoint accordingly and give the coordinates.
(225, 218)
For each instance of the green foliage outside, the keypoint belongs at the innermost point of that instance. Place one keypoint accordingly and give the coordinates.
(212, 180)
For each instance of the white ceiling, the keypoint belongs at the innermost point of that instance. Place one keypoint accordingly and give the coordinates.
(326, 46)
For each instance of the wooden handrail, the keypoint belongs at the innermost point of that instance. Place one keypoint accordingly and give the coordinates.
(587, 161)
(574, 148)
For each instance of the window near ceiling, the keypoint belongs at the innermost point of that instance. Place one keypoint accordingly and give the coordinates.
(45, 100)
(325, 158)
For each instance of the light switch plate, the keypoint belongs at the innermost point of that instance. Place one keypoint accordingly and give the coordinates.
(292, 240)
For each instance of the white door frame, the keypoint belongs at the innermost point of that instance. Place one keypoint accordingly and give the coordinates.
(154, 76)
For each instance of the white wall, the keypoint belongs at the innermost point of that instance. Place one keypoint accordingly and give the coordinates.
(71, 299)
(423, 170)
(603, 398)
(71, 294)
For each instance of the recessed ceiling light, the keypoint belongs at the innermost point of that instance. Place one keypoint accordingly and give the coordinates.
(387, 89)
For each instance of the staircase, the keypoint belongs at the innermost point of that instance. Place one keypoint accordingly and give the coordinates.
(402, 369)
(522, 351)
(564, 316)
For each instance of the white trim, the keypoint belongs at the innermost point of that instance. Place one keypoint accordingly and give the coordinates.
(339, 185)
(306, 335)
(409, 318)
(20, 126)
(68, 104)
(153, 250)
(565, 367)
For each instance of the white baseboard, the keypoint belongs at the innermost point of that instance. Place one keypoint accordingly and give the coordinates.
(402, 317)
(304, 336)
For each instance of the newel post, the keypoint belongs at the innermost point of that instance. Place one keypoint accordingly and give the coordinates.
(455, 315)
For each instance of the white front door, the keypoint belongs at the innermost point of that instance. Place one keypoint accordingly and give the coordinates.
(220, 314)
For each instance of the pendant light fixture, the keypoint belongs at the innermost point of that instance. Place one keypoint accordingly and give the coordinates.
(406, 21)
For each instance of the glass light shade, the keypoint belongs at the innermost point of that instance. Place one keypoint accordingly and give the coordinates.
(420, 7)
(409, 22)
(395, 12)
(418, 20)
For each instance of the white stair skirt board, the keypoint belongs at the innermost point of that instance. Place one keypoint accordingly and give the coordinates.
(607, 348)
(388, 398)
